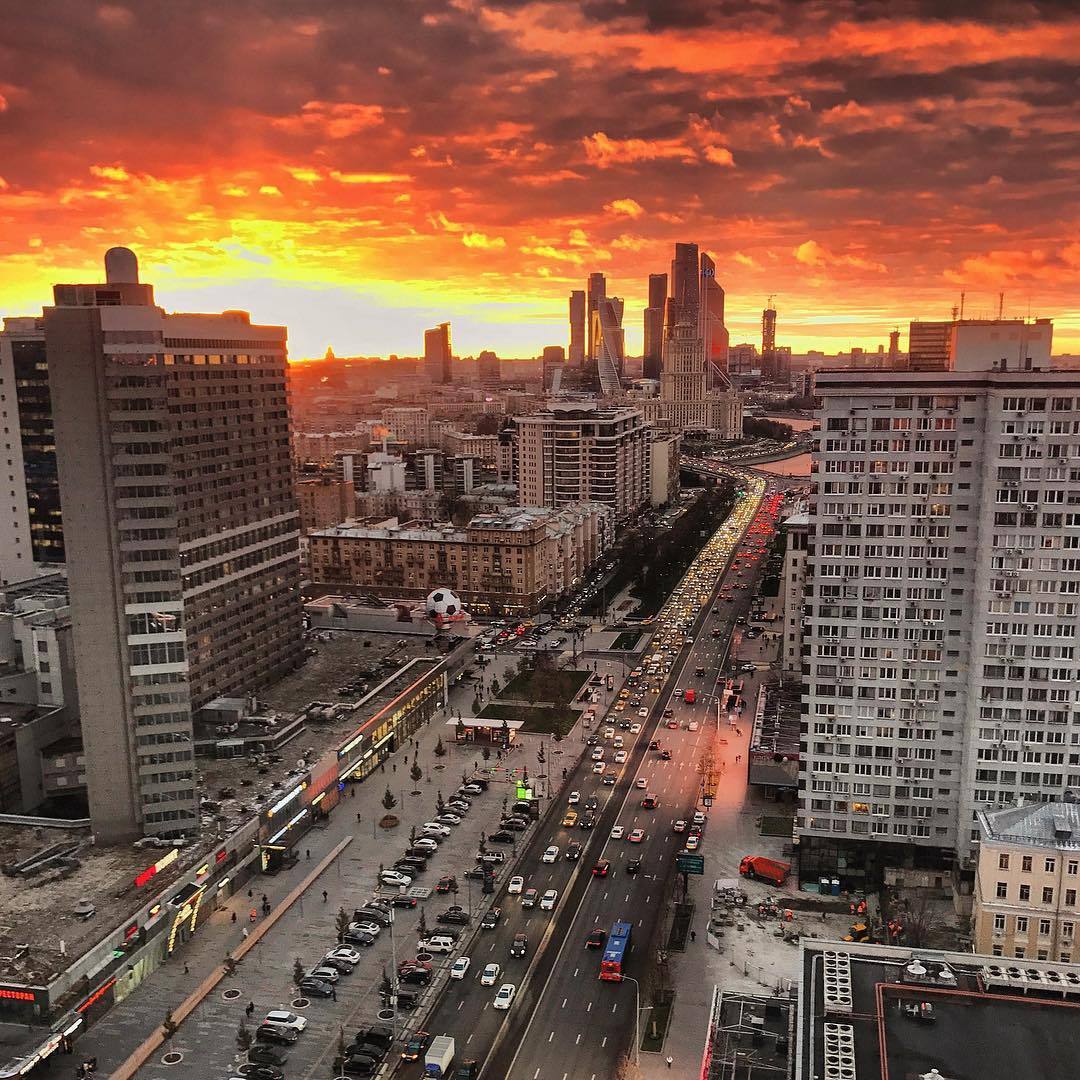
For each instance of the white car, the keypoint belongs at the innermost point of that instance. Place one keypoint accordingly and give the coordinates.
(692, 726)
(598, 767)
(428, 841)
(699, 817)
(643, 712)
(598, 754)
(617, 832)
(460, 967)
(635, 729)
(284, 1018)
(548, 900)
(575, 798)
(609, 733)
(392, 877)
(365, 926)
(436, 828)
(490, 975)
(620, 757)
(344, 952)
(515, 884)
(550, 856)
(505, 997)
(641, 782)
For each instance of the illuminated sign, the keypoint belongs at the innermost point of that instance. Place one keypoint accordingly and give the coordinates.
(131, 931)
(203, 870)
(318, 799)
(286, 799)
(8, 994)
(190, 910)
(351, 744)
(278, 835)
(151, 871)
(221, 856)
(155, 910)
(97, 995)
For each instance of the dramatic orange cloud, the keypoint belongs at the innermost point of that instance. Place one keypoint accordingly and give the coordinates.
(361, 172)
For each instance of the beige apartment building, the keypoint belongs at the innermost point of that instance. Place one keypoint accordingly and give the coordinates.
(510, 562)
(796, 533)
(325, 501)
(579, 453)
(1027, 881)
(407, 424)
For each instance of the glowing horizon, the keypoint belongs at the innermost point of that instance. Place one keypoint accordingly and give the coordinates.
(333, 170)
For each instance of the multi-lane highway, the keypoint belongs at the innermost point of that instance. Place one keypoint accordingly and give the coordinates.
(565, 1022)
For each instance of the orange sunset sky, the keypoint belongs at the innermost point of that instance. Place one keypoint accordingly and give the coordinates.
(359, 170)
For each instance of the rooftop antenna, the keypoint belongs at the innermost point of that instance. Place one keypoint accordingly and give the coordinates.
(1001, 306)
(955, 312)
(962, 298)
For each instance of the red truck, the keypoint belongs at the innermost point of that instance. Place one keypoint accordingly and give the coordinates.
(690, 696)
(759, 868)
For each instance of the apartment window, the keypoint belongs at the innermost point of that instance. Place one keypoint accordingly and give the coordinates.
(1002, 891)
(999, 922)
(1021, 924)
(1070, 898)
(1072, 866)
(1025, 864)
(1025, 892)
(1044, 928)
(1003, 862)
(1049, 865)
(1048, 895)
(1018, 953)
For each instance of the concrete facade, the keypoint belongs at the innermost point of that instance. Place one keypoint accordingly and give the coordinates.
(796, 532)
(325, 501)
(941, 603)
(184, 573)
(577, 453)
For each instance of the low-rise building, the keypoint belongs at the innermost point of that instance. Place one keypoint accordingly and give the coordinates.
(1027, 881)
(664, 482)
(514, 561)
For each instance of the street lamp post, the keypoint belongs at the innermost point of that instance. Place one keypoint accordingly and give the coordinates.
(638, 1010)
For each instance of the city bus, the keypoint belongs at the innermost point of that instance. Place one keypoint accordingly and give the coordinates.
(618, 944)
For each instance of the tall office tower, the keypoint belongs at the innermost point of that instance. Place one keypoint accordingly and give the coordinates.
(894, 348)
(653, 354)
(488, 368)
(684, 303)
(31, 528)
(714, 333)
(575, 453)
(941, 607)
(768, 341)
(577, 327)
(553, 358)
(597, 291)
(181, 531)
(610, 344)
(437, 358)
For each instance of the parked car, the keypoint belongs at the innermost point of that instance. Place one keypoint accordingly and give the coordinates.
(456, 916)
(501, 836)
(262, 1053)
(316, 987)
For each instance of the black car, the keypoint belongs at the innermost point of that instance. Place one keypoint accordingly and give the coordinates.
(263, 1054)
(520, 945)
(406, 999)
(516, 824)
(468, 1070)
(491, 919)
(596, 939)
(403, 901)
(593, 740)
(573, 851)
(358, 937)
(368, 1050)
(419, 865)
(264, 1072)
(477, 873)
(418, 853)
(592, 802)
(457, 916)
(379, 1034)
(587, 821)
(339, 964)
(503, 836)
(316, 987)
(360, 1065)
(624, 725)
(415, 976)
(633, 866)
(371, 914)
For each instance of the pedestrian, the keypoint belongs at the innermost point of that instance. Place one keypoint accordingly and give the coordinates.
(333, 993)
(395, 766)
(250, 1008)
(244, 932)
(357, 817)
(234, 916)
(187, 970)
(309, 854)
(325, 894)
(670, 1060)
(693, 936)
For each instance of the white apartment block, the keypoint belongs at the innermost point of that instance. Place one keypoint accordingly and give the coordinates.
(579, 453)
(796, 531)
(943, 584)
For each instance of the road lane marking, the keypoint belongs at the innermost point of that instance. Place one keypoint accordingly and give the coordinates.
(588, 1008)
(577, 1041)
(616, 1005)
(550, 1037)
(468, 1040)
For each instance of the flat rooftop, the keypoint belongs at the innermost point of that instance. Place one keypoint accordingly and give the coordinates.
(39, 911)
(983, 1027)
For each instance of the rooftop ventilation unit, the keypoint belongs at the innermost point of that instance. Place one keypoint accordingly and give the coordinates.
(839, 1052)
(837, 979)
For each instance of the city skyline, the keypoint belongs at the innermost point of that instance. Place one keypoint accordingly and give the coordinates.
(359, 200)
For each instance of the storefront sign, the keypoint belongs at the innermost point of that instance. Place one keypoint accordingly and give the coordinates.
(161, 864)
